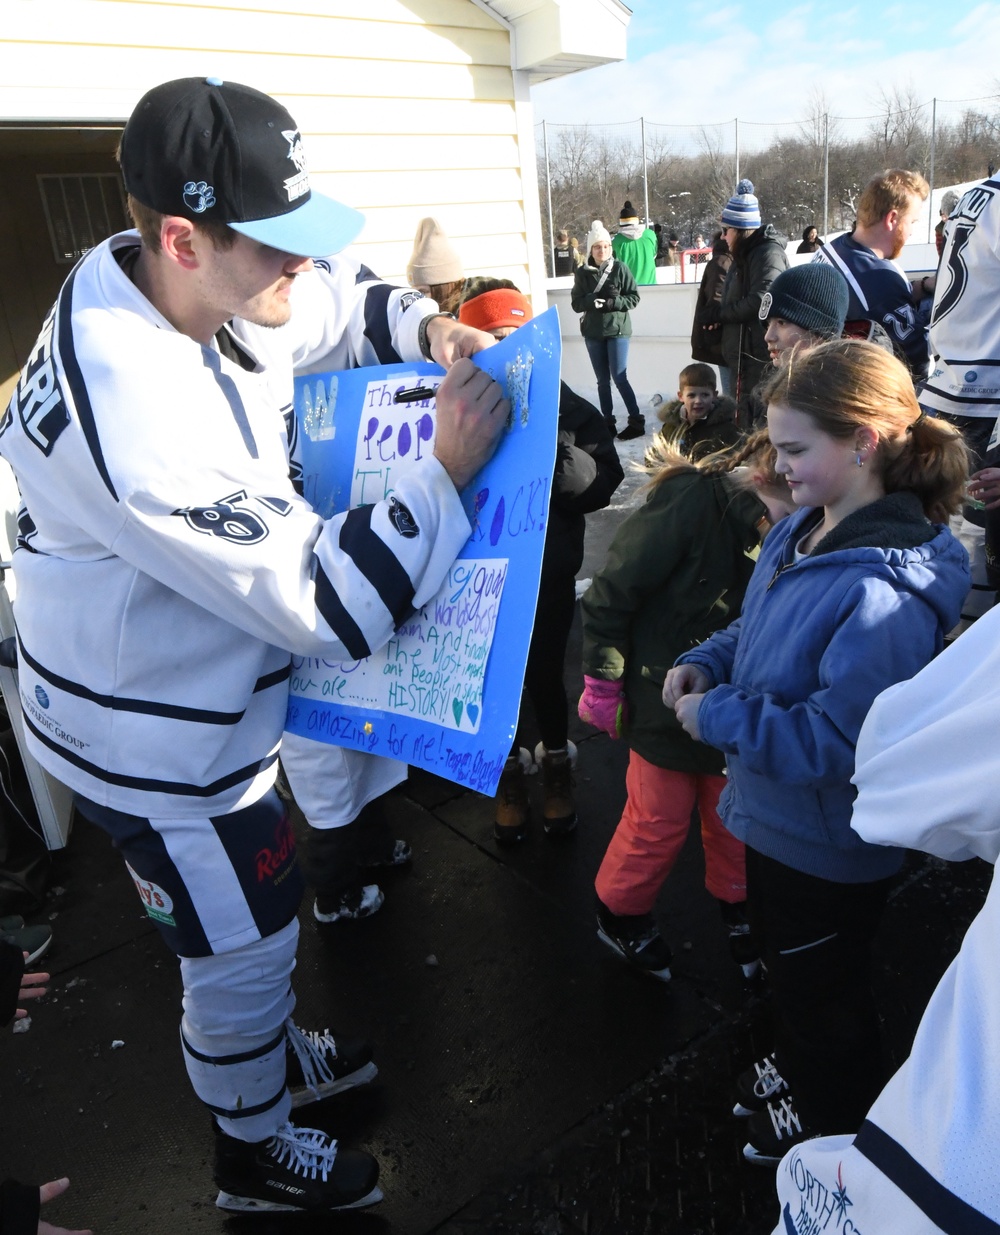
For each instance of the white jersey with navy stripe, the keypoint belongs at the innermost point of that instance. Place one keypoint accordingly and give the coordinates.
(166, 566)
(965, 320)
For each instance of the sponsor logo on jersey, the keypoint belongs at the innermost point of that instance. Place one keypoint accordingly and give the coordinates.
(156, 901)
(198, 196)
(298, 185)
(270, 861)
(35, 706)
(971, 375)
(402, 520)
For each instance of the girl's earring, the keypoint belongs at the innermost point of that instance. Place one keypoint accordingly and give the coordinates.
(859, 459)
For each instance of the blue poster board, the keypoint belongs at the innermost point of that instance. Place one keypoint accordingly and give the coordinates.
(444, 693)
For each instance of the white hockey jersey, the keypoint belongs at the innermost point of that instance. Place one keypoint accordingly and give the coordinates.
(925, 1160)
(166, 566)
(965, 320)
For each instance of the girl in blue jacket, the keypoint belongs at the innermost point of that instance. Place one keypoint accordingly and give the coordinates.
(851, 594)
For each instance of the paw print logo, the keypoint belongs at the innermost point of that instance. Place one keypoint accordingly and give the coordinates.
(198, 196)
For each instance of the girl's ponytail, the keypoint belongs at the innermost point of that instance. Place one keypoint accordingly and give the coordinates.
(932, 461)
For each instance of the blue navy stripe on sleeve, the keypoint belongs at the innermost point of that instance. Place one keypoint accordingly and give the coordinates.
(946, 1210)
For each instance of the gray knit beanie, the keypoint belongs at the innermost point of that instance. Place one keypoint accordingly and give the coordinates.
(742, 209)
(813, 296)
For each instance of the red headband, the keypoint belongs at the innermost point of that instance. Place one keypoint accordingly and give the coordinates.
(502, 307)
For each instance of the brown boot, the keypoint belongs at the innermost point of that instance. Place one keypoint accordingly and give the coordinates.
(511, 822)
(558, 807)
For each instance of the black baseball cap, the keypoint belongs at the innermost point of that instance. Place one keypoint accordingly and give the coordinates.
(202, 148)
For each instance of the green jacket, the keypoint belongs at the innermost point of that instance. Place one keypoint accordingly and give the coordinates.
(619, 286)
(638, 253)
(675, 572)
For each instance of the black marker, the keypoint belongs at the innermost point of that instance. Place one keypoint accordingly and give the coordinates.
(413, 396)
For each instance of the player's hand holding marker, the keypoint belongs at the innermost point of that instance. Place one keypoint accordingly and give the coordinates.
(471, 415)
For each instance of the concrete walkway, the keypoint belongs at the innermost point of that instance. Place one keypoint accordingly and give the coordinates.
(529, 1081)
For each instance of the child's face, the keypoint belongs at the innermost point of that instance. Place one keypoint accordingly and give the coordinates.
(697, 402)
(821, 470)
(781, 336)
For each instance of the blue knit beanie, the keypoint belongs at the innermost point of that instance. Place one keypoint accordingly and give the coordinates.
(813, 296)
(742, 209)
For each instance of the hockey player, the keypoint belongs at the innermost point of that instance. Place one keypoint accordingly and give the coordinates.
(167, 568)
(888, 210)
(964, 385)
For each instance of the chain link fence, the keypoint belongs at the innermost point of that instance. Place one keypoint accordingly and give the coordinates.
(805, 172)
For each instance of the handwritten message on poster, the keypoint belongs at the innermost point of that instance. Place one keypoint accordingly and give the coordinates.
(443, 693)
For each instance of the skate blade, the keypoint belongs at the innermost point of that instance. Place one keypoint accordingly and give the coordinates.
(661, 975)
(754, 1156)
(251, 1205)
(302, 1095)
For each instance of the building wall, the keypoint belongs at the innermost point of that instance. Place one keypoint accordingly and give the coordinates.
(408, 107)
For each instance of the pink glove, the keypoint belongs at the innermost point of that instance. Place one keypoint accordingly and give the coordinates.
(602, 705)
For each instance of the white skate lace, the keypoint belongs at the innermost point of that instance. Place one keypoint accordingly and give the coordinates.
(784, 1118)
(312, 1050)
(769, 1080)
(305, 1151)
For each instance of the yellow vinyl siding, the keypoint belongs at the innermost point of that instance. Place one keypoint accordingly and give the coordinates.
(407, 107)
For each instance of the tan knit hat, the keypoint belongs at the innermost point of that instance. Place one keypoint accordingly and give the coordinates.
(433, 259)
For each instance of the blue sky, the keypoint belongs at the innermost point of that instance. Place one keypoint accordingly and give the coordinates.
(701, 63)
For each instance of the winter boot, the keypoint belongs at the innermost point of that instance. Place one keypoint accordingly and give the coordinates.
(634, 428)
(510, 825)
(558, 807)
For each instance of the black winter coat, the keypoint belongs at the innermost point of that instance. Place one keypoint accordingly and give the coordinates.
(587, 472)
(706, 345)
(756, 264)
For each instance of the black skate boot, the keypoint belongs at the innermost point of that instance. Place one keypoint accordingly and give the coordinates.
(297, 1169)
(319, 1066)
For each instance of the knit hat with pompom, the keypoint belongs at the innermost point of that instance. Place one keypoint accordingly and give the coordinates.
(598, 233)
(742, 209)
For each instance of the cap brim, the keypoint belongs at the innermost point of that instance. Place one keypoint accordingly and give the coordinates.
(317, 228)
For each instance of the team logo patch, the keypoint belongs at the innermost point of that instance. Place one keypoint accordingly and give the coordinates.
(971, 375)
(42, 697)
(157, 902)
(298, 185)
(402, 520)
(198, 196)
(407, 299)
(819, 1201)
(765, 306)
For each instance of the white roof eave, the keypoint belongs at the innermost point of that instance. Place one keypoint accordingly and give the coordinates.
(550, 38)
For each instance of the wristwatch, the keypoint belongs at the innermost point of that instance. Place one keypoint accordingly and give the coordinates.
(422, 343)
